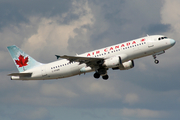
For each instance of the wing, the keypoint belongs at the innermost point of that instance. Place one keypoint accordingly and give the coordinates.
(89, 61)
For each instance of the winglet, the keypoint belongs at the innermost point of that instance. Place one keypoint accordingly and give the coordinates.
(57, 56)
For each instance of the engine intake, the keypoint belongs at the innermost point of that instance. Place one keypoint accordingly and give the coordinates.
(116, 63)
(127, 65)
(112, 62)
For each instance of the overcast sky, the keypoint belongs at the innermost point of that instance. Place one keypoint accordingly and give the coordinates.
(43, 28)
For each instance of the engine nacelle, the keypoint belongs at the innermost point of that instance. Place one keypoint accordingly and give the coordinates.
(112, 62)
(116, 63)
(127, 65)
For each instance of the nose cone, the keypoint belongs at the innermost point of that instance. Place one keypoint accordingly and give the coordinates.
(172, 42)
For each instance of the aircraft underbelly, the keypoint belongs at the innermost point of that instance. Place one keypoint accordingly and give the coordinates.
(76, 69)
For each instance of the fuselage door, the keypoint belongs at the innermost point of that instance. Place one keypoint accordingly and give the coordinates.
(150, 42)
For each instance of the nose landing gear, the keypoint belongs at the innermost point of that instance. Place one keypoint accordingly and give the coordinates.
(155, 60)
(154, 56)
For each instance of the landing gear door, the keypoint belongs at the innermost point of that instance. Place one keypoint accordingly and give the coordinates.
(150, 43)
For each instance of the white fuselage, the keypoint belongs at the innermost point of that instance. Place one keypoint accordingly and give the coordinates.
(128, 50)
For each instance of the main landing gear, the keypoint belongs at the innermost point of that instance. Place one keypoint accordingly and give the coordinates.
(105, 77)
(155, 60)
(97, 75)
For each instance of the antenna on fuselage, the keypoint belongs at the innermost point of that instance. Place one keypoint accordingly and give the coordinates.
(147, 35)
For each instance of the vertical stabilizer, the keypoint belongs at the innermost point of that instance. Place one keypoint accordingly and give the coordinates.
(22, 60)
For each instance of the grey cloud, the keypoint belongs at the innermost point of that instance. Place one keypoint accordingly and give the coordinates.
(157, 28)
(155, 77)
(10, 15)
(14, 12)
(157, 86)
(31, 113)
(69, 18)
(78, 44)
(122, 18)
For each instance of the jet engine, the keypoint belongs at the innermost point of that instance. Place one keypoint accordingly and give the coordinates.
(116, 63)
(127, 65)
(112, 62)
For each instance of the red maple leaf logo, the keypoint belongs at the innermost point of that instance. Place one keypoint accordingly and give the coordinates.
(22, 62)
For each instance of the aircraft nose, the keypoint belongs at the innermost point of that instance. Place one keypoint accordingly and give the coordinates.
(172, 42)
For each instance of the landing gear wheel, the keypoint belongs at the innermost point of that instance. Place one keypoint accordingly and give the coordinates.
(105, 77)
(96, 75)
(156, 61)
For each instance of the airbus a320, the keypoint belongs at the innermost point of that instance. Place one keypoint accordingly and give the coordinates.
(118, 57)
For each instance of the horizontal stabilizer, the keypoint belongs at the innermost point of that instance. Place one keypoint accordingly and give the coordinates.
(20, 74)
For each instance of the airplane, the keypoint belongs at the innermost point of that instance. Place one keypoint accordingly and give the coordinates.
(118, 57)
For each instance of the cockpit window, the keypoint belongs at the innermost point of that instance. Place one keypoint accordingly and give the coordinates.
(161, 38)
